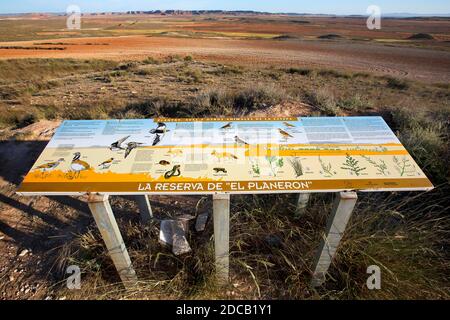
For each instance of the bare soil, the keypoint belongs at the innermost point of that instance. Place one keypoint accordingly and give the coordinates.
(343, 55)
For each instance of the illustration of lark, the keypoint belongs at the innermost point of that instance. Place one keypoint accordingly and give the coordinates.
(50, 166)
(240, 141)
(117, 146)
(78, 165)
(227, 126)
(285, 134)
(130, 147)
(289, 125)
(175, 172)
(106, 164)
(223, 155)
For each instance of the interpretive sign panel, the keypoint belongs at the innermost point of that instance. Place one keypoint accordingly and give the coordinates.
(234, 155)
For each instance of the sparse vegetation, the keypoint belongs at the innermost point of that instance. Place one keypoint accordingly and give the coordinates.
(355, 104)
(421, 36)
(324, 101)
(151, 60)
(330, 36)
(44, 69)
(406, 240)
(427, 139)
(398, 84)
(333, 73)
(303, 72)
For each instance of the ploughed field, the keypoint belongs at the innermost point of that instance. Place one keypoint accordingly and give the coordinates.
(417, 49)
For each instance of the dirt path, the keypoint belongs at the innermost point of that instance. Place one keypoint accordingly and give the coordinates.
(413, 63)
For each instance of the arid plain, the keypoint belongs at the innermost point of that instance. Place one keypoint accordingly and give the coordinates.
(401, 48)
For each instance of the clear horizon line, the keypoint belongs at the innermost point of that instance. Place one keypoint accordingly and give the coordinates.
(236, 10)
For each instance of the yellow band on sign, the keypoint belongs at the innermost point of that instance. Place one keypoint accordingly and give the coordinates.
(230, 186)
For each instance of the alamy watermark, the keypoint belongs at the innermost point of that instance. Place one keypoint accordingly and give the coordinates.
(73, 21)
(374, 19)
(74, 280)
(374, 280)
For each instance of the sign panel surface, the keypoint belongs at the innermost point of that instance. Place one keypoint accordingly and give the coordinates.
(201, 156)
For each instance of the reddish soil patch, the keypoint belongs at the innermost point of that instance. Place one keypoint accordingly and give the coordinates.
(348, 55)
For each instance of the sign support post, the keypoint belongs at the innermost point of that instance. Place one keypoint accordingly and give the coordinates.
(302, 203)
(106, 223)
(145, 208)
(337, 222)
(221, 212)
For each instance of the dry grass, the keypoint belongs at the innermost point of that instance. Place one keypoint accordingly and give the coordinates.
(272, 253)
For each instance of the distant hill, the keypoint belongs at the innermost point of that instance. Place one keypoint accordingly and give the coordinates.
(242, 12)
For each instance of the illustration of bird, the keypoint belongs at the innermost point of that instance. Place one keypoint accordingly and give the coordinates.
(227, 126)
(289, 125)
(285, 134)
(239, 140)
(106, 164)
(161, 129)
(116, 146)
(50, 166)
(163, 163)
(156, 140)
(223, 155)
(159, 132)
(78, 165)
(130, 147)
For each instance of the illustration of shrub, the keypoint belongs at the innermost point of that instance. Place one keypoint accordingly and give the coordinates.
(297, 165)
(326, 168)
(403, 165)
(351, 164)
(275, 163)
(380, 165)
(256, 169)
(280, 163)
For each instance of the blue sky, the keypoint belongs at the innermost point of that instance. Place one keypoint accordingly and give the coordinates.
(308, 6)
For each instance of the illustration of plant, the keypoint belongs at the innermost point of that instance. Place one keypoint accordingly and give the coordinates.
(280, 163)
(327, 168)
(351, 164)
(256, 169)
(403, 165)
(297, 165)
(275, 163)
(380, 165)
